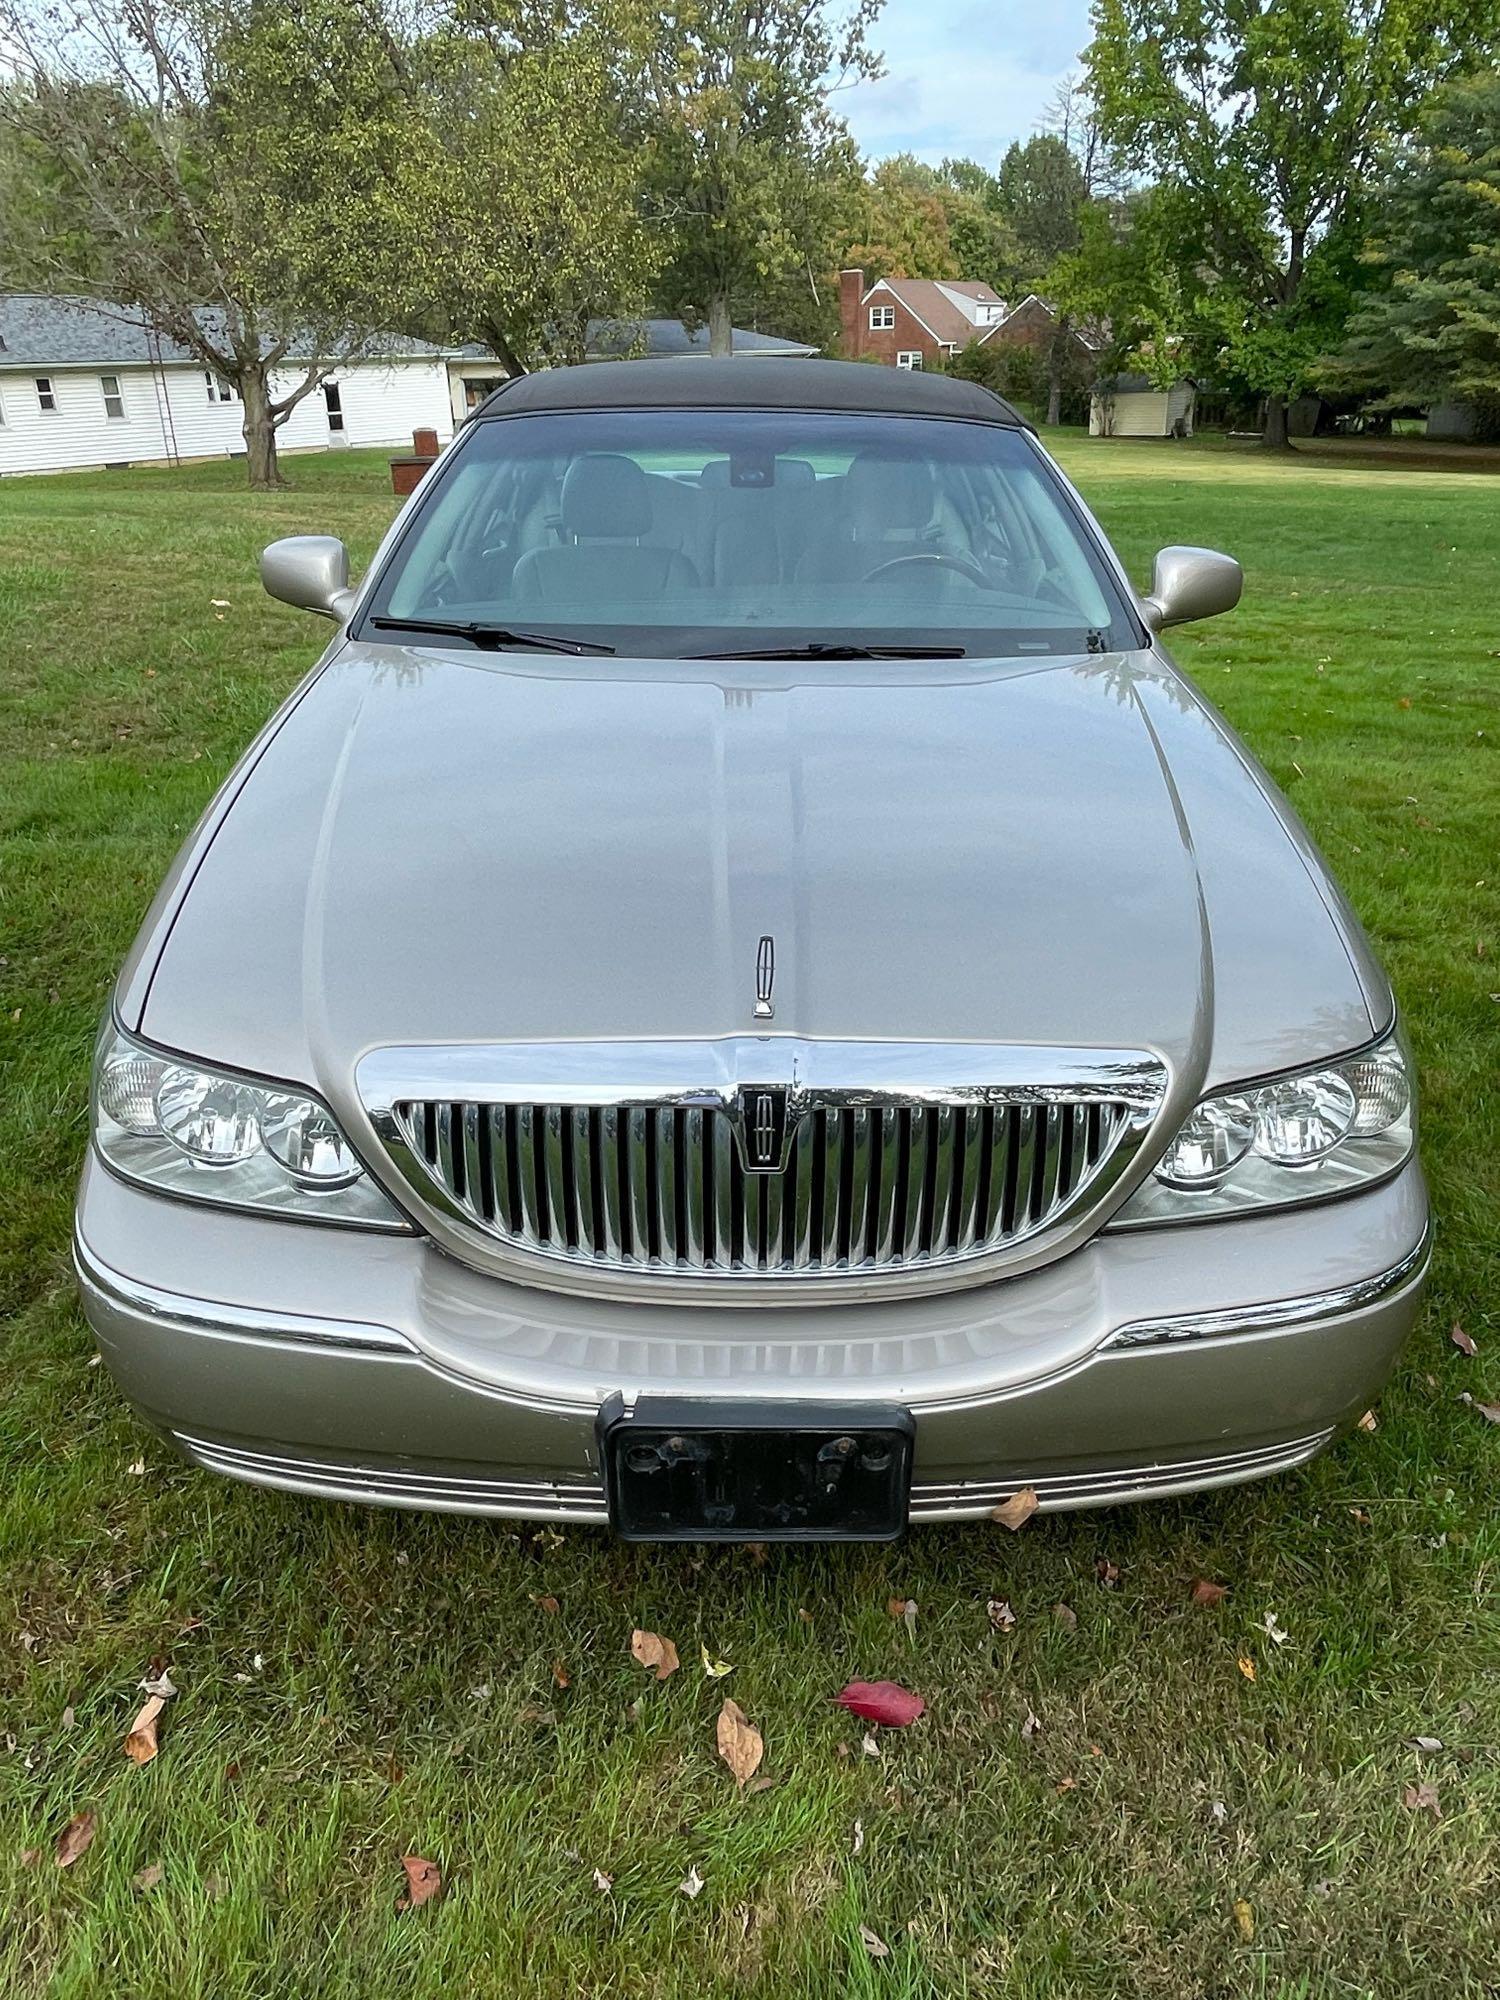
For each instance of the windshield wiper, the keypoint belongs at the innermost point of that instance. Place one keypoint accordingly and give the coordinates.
(480, 634)
(826, 650)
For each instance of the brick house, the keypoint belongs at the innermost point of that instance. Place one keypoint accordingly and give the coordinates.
(920, 322)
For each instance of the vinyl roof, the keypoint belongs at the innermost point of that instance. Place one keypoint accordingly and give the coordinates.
(786, 385)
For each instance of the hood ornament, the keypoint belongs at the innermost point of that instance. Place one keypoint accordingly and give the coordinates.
(765, 978)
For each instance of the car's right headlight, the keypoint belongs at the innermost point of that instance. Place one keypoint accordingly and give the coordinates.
(184, 1128)
(1305, 1136)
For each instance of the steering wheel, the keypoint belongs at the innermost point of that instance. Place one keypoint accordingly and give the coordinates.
(965, 568)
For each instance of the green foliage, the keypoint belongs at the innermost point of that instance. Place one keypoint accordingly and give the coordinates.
(749, 175)
(1042, 192)
(1265, 121)
(929, 222)
(1428, 327)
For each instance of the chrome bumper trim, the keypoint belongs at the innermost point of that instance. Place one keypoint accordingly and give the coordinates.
(425, 1487)
(1309, 1308)
(1063, 1491)
(113, 1288)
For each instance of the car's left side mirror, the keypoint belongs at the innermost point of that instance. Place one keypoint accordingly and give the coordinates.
(310, 572)
(1191, 583)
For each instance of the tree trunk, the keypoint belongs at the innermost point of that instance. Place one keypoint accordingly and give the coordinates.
(1057, 355)
(720, 331)
(259, 429)
(1276, 435)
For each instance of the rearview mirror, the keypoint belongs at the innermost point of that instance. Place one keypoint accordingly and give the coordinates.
(1191, 583)
(310, 572)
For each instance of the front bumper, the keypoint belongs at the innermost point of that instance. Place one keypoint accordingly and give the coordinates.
(350, 1366)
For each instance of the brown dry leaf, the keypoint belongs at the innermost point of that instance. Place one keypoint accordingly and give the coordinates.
(1368, 1422)
(548, 1604)
(424, 1881)
(560, 1675)
(653, 1651)
(30, 1856)
(1017, 1510)
(1001, 1616)
(740, 1743)
(873, 1943)
(1246, 1667)
(76, 1838)
(147, 1878)
(1244, 1918)
(1032, 1726)
(1067, 1785)
(1207, 1592)
(1489, 1411)
(758, 1553)
(1108, 1573)
(1464, 1342)
(1066, 1616)
(140, 1744)
(1422, 1798)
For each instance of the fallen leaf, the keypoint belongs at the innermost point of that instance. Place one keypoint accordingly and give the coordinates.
(140, 1744)
(1205, 1592)
(1489, 1411)
(1361, 1515)
(1066, 1616)
(653, 1651)
(136, 1468)
(1277, 1635)
(857, 1844)
(76, 1838)
(68, 1717)
(869, 1744)
(30, 1856)
(1368, 1422)
(1067, 1785)
(1108, 1573)
(1244, 1918)
(740, 1743)
(560, 1675)
(1000, 1614)
(1430, 1744)
(881, 1701)
(904, 1608)
(424, 1881)
(1422, 1798)
(715, 1669)
(804, 1614)
(148, 1877)
(758, 1553)
(1017, 1510)
(602, 1882)
(219, 603)
(1464, 1342)
(1032, 1726)
(548, 1604)
(873, 1943)
(159, 1683)
(1246, 1667)
(1218, 1812)
(691, 1884)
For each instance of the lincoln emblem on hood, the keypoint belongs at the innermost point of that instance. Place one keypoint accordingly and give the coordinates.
(765, 978)
(763, 1125)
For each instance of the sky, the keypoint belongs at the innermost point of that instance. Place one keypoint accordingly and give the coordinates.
(963, 78)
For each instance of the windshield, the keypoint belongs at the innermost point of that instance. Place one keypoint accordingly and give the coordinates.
(684, 532)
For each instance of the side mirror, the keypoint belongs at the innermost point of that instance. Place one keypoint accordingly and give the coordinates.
(1191, 583)
(310, 572)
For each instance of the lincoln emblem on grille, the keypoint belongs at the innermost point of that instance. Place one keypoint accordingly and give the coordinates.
(765, 978)
(763, 1128)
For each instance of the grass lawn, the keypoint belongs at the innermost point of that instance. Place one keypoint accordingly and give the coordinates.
(354, 1686)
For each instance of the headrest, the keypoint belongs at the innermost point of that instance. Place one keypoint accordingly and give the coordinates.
(606, 496)
(885, 493)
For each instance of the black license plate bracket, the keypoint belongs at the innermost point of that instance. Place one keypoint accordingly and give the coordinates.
(688, 1469)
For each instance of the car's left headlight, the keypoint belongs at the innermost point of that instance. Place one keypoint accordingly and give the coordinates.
(205, 1134)
(1300, 1137)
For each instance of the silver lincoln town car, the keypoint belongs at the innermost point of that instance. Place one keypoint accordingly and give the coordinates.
(746, 997)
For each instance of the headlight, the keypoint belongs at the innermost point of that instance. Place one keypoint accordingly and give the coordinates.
(212, 1136)
(1303, 1137)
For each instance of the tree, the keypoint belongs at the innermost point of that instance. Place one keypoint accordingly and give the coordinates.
(224, 174)
(750, 175)
(1428, 326)
(527, 193)
(1042, 192)
(928, 222)
(1266, 118)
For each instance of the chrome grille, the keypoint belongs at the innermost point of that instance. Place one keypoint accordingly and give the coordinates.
(664, 1187)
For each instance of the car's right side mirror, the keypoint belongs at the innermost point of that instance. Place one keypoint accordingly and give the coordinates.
(310, 572)
(1191, 583)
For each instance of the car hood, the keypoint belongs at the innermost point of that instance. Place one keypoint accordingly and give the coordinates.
(439, 847)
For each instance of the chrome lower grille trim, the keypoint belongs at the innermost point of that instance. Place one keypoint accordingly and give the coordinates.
(832, 1160)
(395, 1485)
(1057, 1492)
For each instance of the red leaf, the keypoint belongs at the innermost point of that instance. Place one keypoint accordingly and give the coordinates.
(424, 1880)
(881, 1701)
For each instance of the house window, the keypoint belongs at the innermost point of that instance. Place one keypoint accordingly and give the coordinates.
(909, 357)
(219, 391)
(114, 402)
(333, 396)
(46, 396)
(882, 318)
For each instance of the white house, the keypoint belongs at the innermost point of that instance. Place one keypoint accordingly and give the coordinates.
(84, 387)
(1132, 406)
